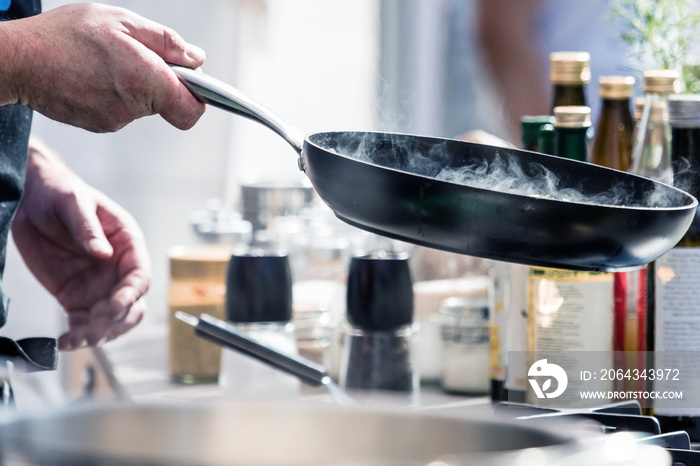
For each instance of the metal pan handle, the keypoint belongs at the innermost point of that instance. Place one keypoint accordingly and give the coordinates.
(219, 94)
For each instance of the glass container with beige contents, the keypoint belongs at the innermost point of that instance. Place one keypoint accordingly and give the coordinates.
(197, 286)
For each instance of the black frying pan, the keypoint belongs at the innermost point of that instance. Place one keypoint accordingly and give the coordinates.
(387, 193)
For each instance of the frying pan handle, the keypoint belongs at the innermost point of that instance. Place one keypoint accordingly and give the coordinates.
(219, 94)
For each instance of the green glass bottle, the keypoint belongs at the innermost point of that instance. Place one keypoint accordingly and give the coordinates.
(530, 128)
(545, 143)
(571, 126)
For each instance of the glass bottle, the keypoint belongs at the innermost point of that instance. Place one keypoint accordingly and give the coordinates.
(530, 127)
(677, 273)
(545, 141)
(379, 356)
(197, 285)
(651, 147)
(612, 148)
(612, 145)
(569, 73)
(571, 127)
(569, 311)
(259, 302)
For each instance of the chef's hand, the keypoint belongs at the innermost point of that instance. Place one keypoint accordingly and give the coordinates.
(84, 248)
(97, 67)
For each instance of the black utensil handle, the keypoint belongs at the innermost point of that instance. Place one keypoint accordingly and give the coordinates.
(225, 334)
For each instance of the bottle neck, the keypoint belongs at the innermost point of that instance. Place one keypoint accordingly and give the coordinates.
(568, 94)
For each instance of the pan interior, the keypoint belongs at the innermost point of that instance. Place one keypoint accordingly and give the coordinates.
(504, 170)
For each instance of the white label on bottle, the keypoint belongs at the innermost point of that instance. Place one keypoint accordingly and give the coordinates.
(677, 329)
(572, 311)
(677, 291)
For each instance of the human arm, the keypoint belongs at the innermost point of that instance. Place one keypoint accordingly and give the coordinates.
(96, 67)
(507, 36)
(86, 250)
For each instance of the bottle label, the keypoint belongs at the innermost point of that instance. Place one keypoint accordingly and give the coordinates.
(677, 326)
(677, 290)
(570, 314)
(570, 310)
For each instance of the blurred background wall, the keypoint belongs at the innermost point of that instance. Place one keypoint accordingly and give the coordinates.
(399, 65)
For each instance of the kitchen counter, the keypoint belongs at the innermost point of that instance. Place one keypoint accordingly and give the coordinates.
(139, 364)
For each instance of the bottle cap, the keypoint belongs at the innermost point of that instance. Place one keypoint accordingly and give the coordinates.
(658, 113)
(380, 292)
(572, 116)
(569, 67)
(662, 82)
(684, 110)
(259, 287)
(616, 87)
(530, 126)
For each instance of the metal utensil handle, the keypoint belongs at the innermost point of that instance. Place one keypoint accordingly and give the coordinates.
(219, 94)
(222, 333)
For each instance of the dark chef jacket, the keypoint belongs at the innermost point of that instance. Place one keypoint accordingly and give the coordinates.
(15, 124)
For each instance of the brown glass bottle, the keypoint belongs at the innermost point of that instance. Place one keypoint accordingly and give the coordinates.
(612, 146)
(569, 73)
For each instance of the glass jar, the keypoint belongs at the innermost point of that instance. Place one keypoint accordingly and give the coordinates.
(464, 330)
(197, 286)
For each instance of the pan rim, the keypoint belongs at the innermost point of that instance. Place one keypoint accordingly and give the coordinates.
(683, 194)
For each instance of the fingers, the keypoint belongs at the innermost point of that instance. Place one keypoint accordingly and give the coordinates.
(86, 229)
(176, 104)
(98, 325)
(167, 44)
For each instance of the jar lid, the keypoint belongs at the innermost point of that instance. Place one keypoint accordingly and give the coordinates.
(259, 287)
(662, 82)
(380, 292)
(572, 116)
(657, 114)
(616, 87)
(684, 110)
(199, 262)
(467, 311)
(569, 67)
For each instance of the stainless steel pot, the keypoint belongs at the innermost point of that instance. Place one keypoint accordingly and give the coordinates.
(288, 434)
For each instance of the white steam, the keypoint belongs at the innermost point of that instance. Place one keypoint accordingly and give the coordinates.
(504, 173)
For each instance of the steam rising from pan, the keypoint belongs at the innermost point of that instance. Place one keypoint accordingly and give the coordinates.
(503, 172)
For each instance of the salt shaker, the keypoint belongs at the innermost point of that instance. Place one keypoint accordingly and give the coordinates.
(378, 356)
(259, 302)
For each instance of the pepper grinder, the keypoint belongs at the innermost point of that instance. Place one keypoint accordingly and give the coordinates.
(378, 357)
(259, 303)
